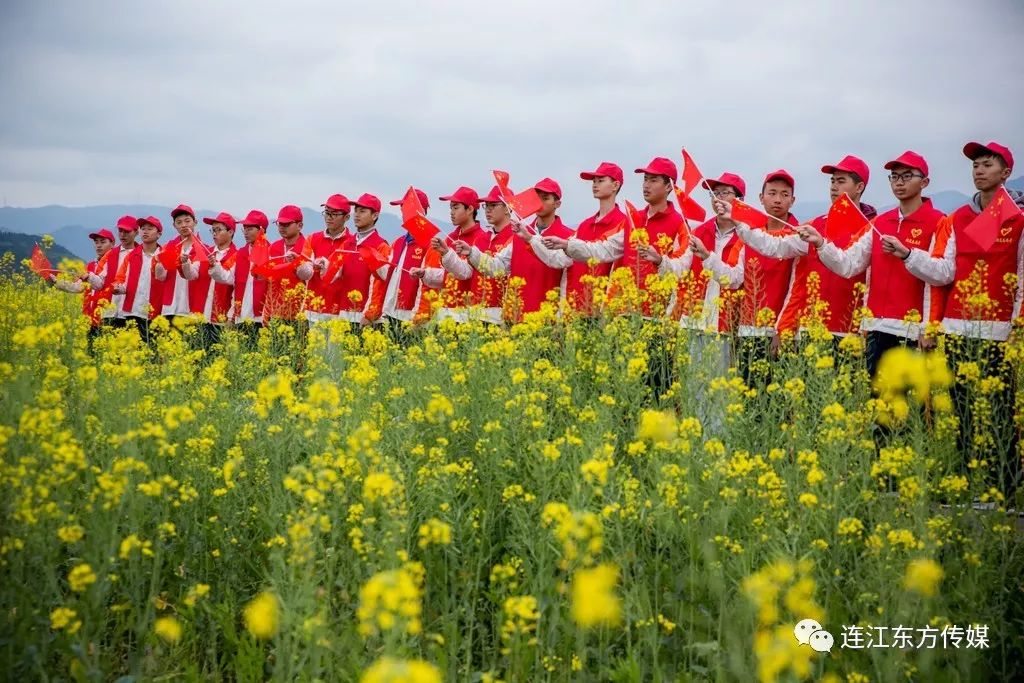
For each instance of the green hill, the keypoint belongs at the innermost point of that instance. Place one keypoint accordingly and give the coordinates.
(21, 247)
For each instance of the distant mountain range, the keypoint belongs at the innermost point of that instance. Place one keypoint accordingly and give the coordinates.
(70, 226)
(21, 246)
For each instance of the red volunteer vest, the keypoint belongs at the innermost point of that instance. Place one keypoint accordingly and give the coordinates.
(894, 292)
(765, 284)
(131, 284)
(407, 254)
(1000, 262)
(196, 288)
(538, 277)
(354, 283)
(242, 275)
(578, 294)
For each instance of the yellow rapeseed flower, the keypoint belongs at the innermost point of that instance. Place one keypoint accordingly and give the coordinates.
(168, 628)
(923, 576)
(594, 602)
(261, 615)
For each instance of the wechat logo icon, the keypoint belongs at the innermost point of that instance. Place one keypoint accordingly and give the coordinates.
(810, 632)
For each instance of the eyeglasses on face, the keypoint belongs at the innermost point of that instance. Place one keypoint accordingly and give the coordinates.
(903, 177)
(724, 192)
(328, 213)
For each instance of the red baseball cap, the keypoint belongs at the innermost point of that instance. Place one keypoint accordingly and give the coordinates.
(152, 220)
(338, 202)
(183, 208)
(973, 150)
(730, 179)
(368, 201)
(463, 195)
(128, 223)
(850, 164)
(550, 186)
(222, 217)
(289, 214)
(493, 197)
(780, 174)
(909, 159)
(421, 195)
(102, 233)
(661, 166)
(605, 168)
(257, 218)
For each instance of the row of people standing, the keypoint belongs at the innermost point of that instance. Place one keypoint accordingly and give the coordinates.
(732, 277)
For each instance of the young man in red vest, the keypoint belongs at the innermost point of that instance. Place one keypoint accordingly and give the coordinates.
(403, 293)
(899, 295)
(248, 288)
(217, 302)
(519, 261)
(361, 283)
(325, 298)
(136, 279)
(662, 227)
(286, 291)
(109, 305)
(812, 283)
(716, 256)
(181, 297)
(606, 181)
(458, 290)
(93, 298)
(980, 310)
(493, 287)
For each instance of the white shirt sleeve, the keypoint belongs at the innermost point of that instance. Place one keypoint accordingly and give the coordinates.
(934, 270)
(677, 266)
(604, 251)
(733, 274)
(219, 275)
(492, 266)
(773, 246)
(95, 281)
(433, 277)
(459, 268)
(71, 286)
(551, 258)
(848, 262)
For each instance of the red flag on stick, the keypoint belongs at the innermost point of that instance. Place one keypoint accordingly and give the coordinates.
(200, 252)
(987, 227)
(169, 256)
(745, 213)
(259, 252)
(845, 222)
(414, 220)
(525, 204)
(372, 257)
(689, 207)
(39, 264)
(691, 174)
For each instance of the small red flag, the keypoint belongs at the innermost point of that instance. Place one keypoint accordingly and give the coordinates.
(259, 252)
(169, 256)
(745, 213)
(985, 229)
(689, 207)
(502, 178)
(411, 206)
(200, 252)
(691, 174)
(635, 216)
(526, 203)
(228, 262)
(39, 264)
(372, 257)
(845, 222)
(421, 229)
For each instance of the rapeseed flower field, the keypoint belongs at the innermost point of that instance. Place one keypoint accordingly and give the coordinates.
(477, 503)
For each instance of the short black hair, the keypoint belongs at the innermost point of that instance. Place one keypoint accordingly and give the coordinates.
(992, 155)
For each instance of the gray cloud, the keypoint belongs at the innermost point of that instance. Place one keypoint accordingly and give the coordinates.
(239, 104)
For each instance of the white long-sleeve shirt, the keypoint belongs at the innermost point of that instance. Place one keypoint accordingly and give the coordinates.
(719, 269)
(140, 306)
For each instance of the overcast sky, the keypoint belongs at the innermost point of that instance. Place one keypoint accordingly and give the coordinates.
(233, 105)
